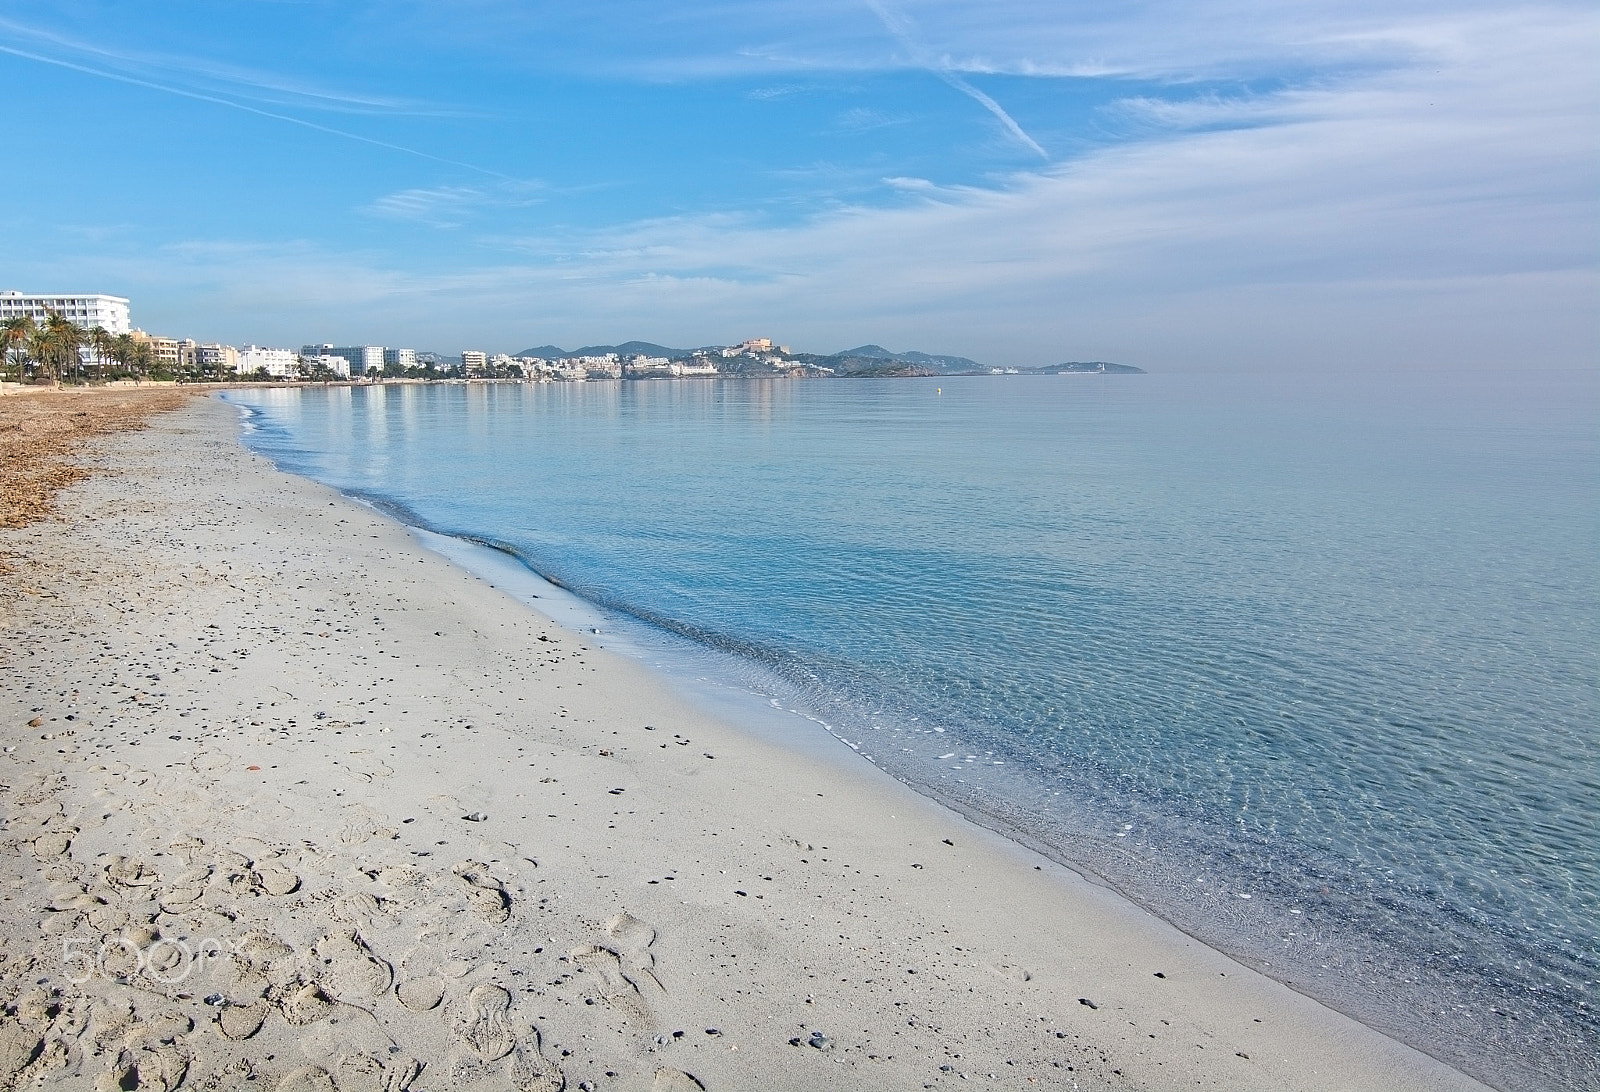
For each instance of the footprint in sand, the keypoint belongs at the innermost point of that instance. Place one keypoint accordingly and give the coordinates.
(71, 896)
(366, 911)
(352, 971)
(634, 938)
(156, 1067)
(399, 876)
(303, 1003)
(264, 950)
(486, 895)
(369, 1073)
(531, 1071)
(485, 1024)
(184, 891)
(29, 1045)
(210, 762)
(240, 1022)
(631, 934)
(668, 1079)
(420, 994)
(239, 1075)
(128, 873)
(614, 987)
(362, 825)
(400, 1071)
(271, 878)
(311, 1078)
(50, 846)
(192, 850)
(1010, 971)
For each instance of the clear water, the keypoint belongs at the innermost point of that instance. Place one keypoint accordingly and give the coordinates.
(1309, 665)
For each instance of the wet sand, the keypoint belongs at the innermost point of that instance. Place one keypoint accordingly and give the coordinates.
(291, 802)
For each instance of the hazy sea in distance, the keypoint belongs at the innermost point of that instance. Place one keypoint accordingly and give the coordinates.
(1308, 664)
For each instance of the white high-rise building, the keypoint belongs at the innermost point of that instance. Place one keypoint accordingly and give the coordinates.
(362, 358)
(88, 311)
(278, 363)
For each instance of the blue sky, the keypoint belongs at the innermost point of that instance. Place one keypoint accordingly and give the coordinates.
(1211, 183)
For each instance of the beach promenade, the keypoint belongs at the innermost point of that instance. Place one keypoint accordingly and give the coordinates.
(291, 802)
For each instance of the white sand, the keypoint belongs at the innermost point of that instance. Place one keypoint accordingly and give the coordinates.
(262, 714)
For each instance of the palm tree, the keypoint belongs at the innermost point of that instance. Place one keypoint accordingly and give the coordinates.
(121, 351)
(101, 343)
(67, 338)
(40, 349)
(141, 356)
(54, 346)
(14, 331)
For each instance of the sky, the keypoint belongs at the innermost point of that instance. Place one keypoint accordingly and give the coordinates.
(1176, 184)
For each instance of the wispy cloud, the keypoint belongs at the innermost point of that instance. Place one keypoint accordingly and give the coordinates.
(901, 29)
(199, 72)
(453, 206)
(862, 119)
(44, 47)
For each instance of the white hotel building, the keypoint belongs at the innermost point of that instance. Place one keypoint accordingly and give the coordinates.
(87, 311)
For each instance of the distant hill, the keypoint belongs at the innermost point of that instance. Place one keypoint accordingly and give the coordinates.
(627, 348)
(1085, 367)
(863, 360)
(909, 362)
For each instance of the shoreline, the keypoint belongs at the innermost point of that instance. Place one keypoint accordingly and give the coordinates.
(678, 877)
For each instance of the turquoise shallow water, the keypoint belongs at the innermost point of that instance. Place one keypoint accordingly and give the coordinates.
(1307, 664)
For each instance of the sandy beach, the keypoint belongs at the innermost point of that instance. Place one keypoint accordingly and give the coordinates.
(291, 802)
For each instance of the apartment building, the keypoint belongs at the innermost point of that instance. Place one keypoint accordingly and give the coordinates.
(217, 359)
(278, 363)
(169, 354)
(338, 365)
(86, 310)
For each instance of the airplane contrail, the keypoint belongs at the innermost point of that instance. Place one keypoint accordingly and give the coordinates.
(900, 30)
(219, 101)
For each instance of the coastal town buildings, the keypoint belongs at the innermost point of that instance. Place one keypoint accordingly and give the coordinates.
(336, 365)
(361, 358)
(168, 354)
(693, 366)
(647, 367)
(87, 310)
(184, 359)
(277, 363)
(216, 359)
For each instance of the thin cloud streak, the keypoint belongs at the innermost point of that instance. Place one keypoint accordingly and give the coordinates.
(453, 206)
(900, 29)
(217, 100)
(284, 91)
(994, 108)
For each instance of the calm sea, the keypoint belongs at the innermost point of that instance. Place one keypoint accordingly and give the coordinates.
(1307, 664)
